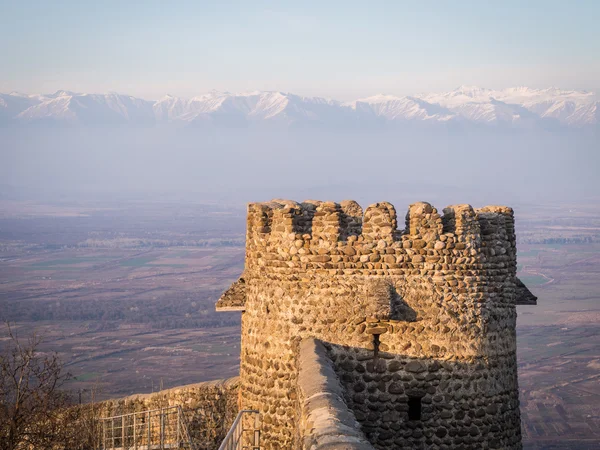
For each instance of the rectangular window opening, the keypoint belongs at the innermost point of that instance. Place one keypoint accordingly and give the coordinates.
(414, 408)
(375, 346)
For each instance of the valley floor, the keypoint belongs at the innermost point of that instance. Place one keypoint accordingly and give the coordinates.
(127, 316)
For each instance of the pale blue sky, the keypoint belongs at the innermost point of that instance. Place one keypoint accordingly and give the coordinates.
(343, 49)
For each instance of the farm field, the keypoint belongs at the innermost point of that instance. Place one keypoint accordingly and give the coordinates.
(559, 345)
(124, 295)
(128, 321)
(135, 358)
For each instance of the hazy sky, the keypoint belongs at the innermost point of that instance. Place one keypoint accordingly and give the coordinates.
(344, 49)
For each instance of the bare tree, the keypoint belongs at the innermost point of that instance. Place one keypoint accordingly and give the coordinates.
(87, 416)
(30, 394)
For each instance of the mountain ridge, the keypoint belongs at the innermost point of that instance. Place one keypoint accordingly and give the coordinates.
(517, 107)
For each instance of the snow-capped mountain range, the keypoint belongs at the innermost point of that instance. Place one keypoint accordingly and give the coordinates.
(519, 107)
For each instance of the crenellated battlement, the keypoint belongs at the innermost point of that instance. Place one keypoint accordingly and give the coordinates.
(329, 235)
(334, 222)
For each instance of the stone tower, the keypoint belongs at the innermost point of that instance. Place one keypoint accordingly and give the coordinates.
(419, 324)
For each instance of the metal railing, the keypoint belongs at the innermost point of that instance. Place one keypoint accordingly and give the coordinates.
(244, 434)
(158, 429)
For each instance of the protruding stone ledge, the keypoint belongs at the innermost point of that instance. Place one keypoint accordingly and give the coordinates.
(240, 308)
(524, 295)
(234, 298)
(325, 422)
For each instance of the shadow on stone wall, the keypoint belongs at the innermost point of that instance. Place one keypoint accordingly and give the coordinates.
(324, 419)
(403, 402)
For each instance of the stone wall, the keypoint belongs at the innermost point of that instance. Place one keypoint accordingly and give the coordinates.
(462, 404)
(439, 295)
(210, 407)
(324, 419)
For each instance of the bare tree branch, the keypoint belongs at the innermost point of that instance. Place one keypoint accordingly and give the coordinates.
(30, 393)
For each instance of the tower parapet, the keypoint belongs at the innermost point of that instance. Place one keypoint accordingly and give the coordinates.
(328, 235)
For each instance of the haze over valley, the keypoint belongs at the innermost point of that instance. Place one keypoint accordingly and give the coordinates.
(124, 291)
(137, 140)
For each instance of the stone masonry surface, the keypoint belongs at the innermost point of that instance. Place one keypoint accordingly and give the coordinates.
(325, 419)
(210, 407)
(418, 324)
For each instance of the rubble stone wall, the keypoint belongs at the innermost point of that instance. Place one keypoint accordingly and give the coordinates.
(210, 407)
(463, 404)
(440, 293)
(324, 419)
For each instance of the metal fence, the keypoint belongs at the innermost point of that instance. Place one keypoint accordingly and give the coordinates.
(163, 428)
(244, 433)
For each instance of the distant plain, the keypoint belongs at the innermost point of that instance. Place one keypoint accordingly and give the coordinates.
(125, 294)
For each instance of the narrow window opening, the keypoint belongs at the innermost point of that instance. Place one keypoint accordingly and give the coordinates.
(414, 408)
(375, 346)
